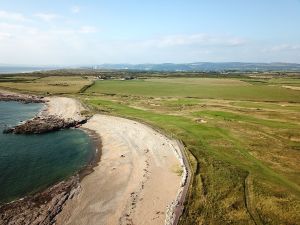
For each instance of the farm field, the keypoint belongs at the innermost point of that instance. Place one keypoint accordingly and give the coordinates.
(242, 137)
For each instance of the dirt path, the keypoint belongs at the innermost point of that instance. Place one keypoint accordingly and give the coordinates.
(249, 198)
(136, 181)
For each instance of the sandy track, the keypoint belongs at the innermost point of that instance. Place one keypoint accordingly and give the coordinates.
(135, 181)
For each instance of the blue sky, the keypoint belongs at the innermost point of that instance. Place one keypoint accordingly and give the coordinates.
(131, 31)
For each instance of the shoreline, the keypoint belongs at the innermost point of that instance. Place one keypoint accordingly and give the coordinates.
(50, 199)
(142, 175)
(135, 183)
(10, 96)
(58, 113)
(97, 146)
(48, 202)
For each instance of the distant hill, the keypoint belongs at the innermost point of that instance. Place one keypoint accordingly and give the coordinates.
(204, 66)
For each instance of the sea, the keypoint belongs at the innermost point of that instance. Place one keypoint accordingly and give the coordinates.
(30, 163)
(23, 69)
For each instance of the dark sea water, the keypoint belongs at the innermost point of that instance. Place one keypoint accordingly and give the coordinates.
(29, 163)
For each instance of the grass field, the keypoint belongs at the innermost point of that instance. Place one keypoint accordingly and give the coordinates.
(233, 89)
(45, 85)
(242, 137)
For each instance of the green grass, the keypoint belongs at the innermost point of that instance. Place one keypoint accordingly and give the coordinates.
(273, 81)
(246, 118)
(264, 105)
(198, 88)
(47, 85)
(249, 128)
(224, 161)
(242, 138)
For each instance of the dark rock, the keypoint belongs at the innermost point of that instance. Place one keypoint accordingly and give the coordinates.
(39, 125)
(21, 98)
(40, 208)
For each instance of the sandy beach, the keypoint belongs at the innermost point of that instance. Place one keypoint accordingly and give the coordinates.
(135, 182)
(139, 180)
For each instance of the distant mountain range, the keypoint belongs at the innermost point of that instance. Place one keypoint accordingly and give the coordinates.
(199, 66)
(204, 66)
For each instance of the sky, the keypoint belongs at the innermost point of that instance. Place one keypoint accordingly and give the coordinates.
(86, 32)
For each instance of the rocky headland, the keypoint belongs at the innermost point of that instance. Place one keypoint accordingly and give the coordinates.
(42, 207)
(39, 125)
(46, 121)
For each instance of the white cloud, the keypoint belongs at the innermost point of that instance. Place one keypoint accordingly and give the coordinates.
(75, 9)
(10, 30)
(31, 43)
(284, 47)
(5, 15)
(195, 39)
(87, 29)
(4, 35)
(47, 17)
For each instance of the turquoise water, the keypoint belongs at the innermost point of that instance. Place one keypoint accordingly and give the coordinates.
(29, 163)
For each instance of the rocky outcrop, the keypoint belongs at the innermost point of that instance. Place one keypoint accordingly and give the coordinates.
(21, 98)
(41, 208)
(43, 122)
(39, 125)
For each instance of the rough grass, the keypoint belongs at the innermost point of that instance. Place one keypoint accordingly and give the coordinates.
(251, 132)
(224, 163)
(47, 85)
(198, 88)
(243, 139)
